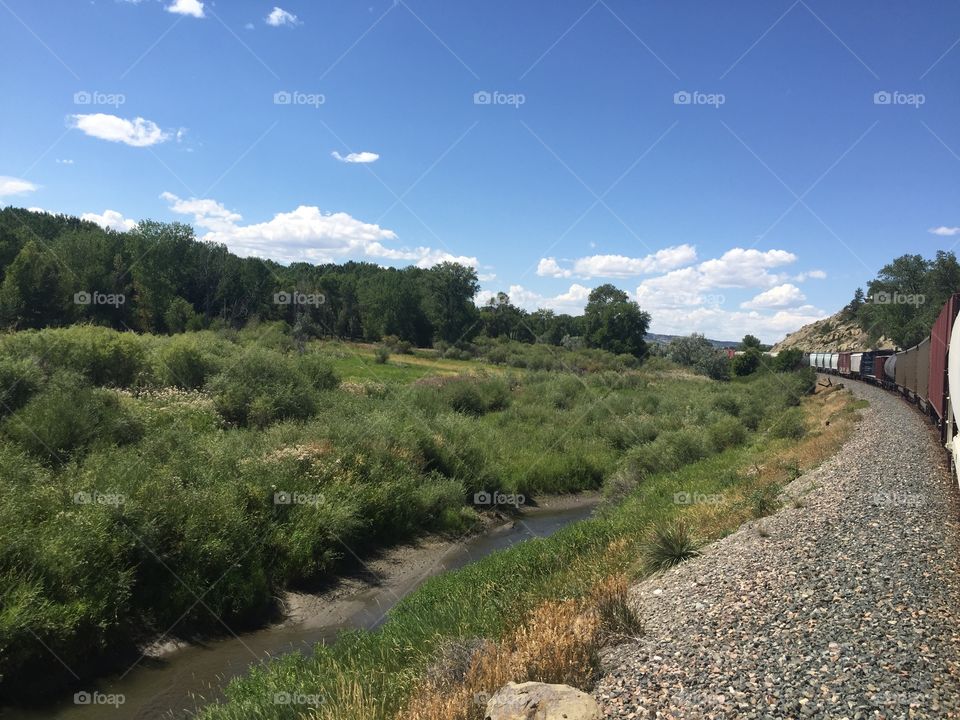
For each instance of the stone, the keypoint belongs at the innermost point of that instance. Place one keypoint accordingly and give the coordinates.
(541, 701)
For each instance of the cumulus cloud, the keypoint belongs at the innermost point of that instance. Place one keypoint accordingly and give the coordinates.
(137, 132)
(620, 266)
(944, 231)
(193, 8)
(548, 267)
(695, 298)
(305, 235)
(810, 275)
(781, 296)
(572, 301)
(15, 186)
(279, 17)
(110, 219)
(360, 157)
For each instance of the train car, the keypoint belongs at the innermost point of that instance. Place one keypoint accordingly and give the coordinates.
(813, 360)
(905, 375)
(856, 362)
(923, 375)
(940, 345)
(843, 363)
(890, 370)
(834, 362)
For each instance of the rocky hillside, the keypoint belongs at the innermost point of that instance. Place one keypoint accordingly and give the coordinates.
(832, 333)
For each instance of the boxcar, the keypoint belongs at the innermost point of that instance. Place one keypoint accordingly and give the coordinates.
(843, 363)
(834, 362)
(905, 374)
(923, 374)
(856, 362)
(937, 386)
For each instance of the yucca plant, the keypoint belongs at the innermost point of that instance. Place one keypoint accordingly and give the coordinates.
(668, 544)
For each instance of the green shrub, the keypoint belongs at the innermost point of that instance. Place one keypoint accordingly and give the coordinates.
(261, 387)
(317, 370)
(189, 361)
(19, 380)
(790, 424)
(69, 415)
(381, 355)
(726, 433)
(746, 363)
(668, 544)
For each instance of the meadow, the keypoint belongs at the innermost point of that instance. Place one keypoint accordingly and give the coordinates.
(167, 485)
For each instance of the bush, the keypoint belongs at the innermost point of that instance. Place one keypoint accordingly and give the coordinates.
(746, 363)
(318, 371)
(790, 424)
(726, 433)
(668, 544)
(188, 361)
(262, 387)
(19, 380)
(788, 360)
(381, 355)
(69, 415)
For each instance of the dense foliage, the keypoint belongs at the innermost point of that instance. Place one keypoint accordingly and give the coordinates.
(57, 270)
(905, 298)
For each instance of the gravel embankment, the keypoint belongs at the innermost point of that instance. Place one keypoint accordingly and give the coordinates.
(849, 608)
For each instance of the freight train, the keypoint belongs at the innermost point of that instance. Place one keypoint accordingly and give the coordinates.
(923, 374)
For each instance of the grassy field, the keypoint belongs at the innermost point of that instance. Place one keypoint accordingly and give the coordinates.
(519, 592)
(161, 485)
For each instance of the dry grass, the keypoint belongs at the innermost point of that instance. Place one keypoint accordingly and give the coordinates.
(557, 643)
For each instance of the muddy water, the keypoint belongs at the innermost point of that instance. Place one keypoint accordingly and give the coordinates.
(184, 679)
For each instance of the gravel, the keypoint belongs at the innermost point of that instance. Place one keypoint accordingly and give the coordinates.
(848, 608)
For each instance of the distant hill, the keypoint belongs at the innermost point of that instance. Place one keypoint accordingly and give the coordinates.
(664, 339)
(834, 333)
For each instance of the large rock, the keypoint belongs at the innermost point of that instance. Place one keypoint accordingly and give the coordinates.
(540, 701)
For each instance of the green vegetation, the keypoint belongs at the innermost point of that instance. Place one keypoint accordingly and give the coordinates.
(668, 544)
(489, 598)
(905, 298)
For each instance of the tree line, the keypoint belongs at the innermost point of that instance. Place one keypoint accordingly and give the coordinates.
(905, 298)
(58, 270)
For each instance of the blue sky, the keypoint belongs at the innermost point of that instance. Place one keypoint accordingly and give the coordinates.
(729, 164)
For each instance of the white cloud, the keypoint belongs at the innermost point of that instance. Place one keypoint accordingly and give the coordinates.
(944, 231)
(810, 275)
(64, 161)
(110, 219)
(207, 214)
(781, 296)
(548, 267)
(360, 157)
(137, 132)
(15, 186)
(279, 16)
(620, 266)
(693, 299)
(572, 301)
(305, 235)
(194, 8)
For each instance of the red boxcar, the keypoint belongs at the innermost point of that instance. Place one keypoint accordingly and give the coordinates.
(939, 344)
(844, 363)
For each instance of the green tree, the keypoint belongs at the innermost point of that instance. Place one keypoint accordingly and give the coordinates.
(615, 323)
(448, 301)
(749, 341)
